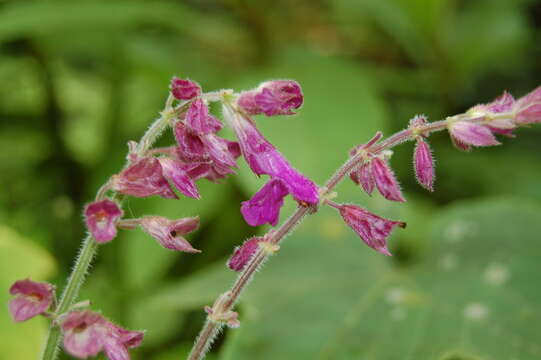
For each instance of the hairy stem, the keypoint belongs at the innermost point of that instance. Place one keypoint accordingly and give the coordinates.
(89, 246)
(211, 329)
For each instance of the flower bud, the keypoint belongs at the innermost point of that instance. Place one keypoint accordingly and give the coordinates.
(424, 164)
(372, 229)
(385, 180)
(184, 89)
(528, 108)
(363, 175)
(31, 299)
(199, 120)
(277, 97)
(169, 232)
(242, 254)
(101, 218)
(468, 133)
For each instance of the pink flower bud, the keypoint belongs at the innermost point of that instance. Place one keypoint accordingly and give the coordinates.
(199, 120)
(101, 218)
(528, 108)
(385, 180)
(469, 133)
(264, 206)
(418, 120)
(363, 175)
(277, 97)
(88, 333)
(184, 89)
(169, 232)
(31, 299)
(143, 178)
(242, 254)
(372, 229)
(174, 171)
(424, 164)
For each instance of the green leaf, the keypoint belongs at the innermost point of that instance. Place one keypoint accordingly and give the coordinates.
(19, 259)
(472, 295)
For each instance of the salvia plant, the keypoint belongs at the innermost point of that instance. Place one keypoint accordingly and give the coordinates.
(200, 153)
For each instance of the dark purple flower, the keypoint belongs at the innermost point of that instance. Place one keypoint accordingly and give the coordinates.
(424, 164)
(31, 299)
(175, 172)
(88, 333)
(184, 89)
(277, 97)
(143, 178)
(468, 133)
(385, 180)
(199, 120)
(528, 108)
(264, 206)
(263, 158)
(169, 233)
(242, 254)
(101, 218)
(372, 229)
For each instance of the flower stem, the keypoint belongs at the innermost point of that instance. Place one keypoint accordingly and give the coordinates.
(211, 329)
(90, 246)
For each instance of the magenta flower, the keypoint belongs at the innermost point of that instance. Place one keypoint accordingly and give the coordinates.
(88, 333)
(362, 175)
(175, 172)
(242, 254)
(465, 133)
(169, 232)
(528, 108)
(143, 178)
(184, 89)
(372, 229)
(263, 158)
(385, 180)
(277, 97)
(199, 120)
(424, 164)
(31, 299)
(264, 207)
(101, 218)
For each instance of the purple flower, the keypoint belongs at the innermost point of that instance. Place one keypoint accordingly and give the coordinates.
(263, 158)
(199, 120)
(424, 164)
(264, 206)
(31, 299)
(363, 175)
(385, 180)
(101, 218)
(372, 229)
(465, 133)
(87, 333)
(184, 89)
(242, 254)
(528, 108)
(169, 232)
(174, 171)
(143, 178)
(277, 97)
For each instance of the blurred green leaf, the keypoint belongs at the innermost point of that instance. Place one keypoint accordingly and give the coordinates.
(21, 258)
(471, 296)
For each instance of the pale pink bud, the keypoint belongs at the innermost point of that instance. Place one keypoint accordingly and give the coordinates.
(424, 164)
(169, 232)
(372, 229)
(101, 218)
(242, 254)
(528, 108)
(385, 180)
(31, 299)
(184, 89)
(469, 133)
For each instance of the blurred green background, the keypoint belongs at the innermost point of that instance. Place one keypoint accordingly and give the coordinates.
(81, 78)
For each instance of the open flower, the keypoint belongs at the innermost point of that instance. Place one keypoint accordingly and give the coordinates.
(31, 299)
(169, 232)
(277, 97)
(264, 207)
(101, 218)
(175, 171)
(373, 230)
(88, 333)
(144, 177)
